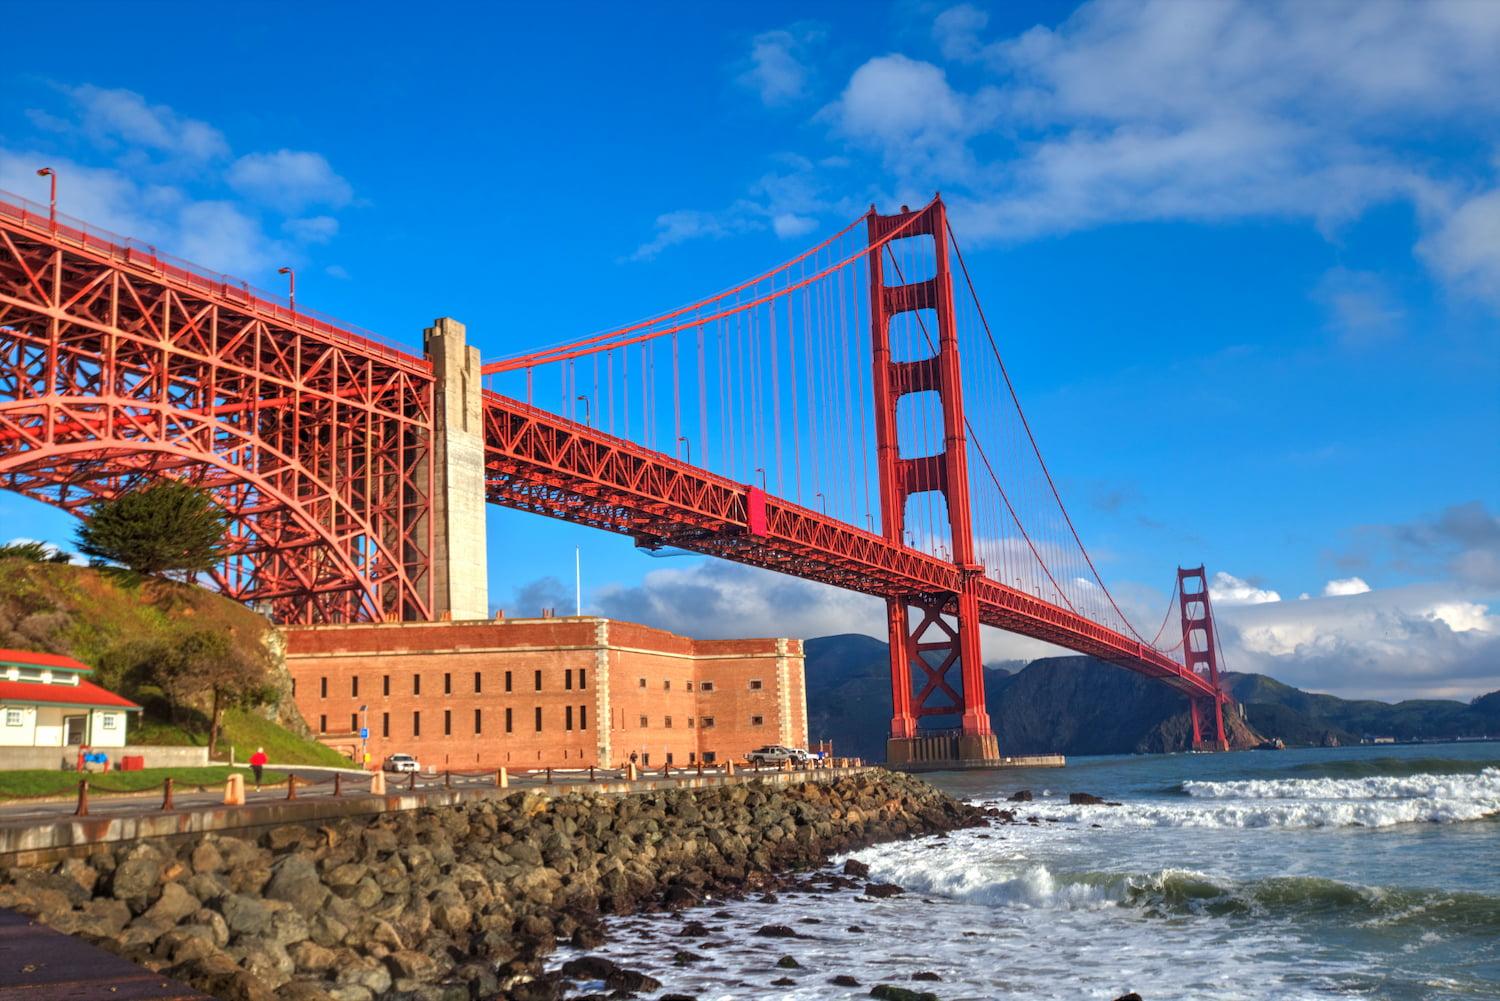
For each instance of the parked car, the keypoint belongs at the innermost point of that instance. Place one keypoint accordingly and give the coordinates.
(401, 763)
(771, 754)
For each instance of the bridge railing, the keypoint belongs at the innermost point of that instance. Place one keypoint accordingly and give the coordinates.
(93, 239)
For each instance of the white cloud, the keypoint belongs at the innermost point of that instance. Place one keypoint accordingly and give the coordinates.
(1227, 589)
(1465, 246)
(1343, 586)
(789, 224)
(123, 116)
(1361, 308)
(778, 69)
(289, 180)
(313, 229)
(957, 31)
(906, 109)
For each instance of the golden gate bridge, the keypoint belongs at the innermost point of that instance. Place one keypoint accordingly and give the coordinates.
(814, 420)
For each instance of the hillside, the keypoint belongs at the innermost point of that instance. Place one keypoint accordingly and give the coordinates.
(118, 624)
(1074, 705)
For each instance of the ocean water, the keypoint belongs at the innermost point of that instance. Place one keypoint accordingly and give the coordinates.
(1368, 872)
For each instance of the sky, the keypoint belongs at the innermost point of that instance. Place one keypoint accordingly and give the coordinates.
(1243, 258)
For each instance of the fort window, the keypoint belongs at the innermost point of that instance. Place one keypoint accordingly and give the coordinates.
(692, 757)
(354, 686)
(582, 677)
(755, 685)
(538, 719)
(509, 721)
(416, 684)
(568, 678)
(386, 684)
(690, 722)
(708, 722)
(385, 724)
(539, 681)
(567, 717)
(478, 721)
(757, 721)
(416, 723)
(669, 757)
(447, 682)
(643, 683)
(354, 722)
(507, 681)
(322, 724)
(668, 723)
(706, 686)
(478, 679)
(643, 722)
(294, 691)
(709, 757)
(645, 758)
(447, 722)
(690, 686)
(583, 717)
(666, 685)
(323, 687)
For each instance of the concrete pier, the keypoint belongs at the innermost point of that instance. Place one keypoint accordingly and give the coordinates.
(459, 559)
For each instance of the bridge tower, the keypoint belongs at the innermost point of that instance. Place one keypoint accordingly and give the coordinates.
(946, 635)
(1200, 653)
(459, 559)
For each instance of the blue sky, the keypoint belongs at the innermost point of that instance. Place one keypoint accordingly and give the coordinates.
(1244, 258)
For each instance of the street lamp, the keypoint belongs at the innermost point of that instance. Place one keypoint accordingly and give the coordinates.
(51, 176)
(588, 410)
(824, 501)
(762, 472)
(291, 278)
(687, 446)
(364, 736)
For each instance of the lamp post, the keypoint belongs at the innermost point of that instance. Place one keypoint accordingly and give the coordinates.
(588, 410)
(762, 472)
(291, 279)
(51, 176)
(364, 736)
(688, 447)
(823, 500)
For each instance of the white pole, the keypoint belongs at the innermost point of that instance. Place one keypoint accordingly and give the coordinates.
(577, 581)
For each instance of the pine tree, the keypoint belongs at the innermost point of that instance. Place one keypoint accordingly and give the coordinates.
(168, 527)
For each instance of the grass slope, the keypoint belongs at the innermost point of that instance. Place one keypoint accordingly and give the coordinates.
(32, 783)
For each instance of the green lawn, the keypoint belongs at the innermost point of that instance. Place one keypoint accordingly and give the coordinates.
(244, 732)
(26, 783)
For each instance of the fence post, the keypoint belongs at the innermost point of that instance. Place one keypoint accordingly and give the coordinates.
(591, 773)
(377, 783)
(166, 796)
(291, 787)
(549, 775)
(447, 780)
(83, 799)
(502, 779)
(338, 783)
(411, 781)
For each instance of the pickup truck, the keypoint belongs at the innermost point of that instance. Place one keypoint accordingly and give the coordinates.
(775, 754)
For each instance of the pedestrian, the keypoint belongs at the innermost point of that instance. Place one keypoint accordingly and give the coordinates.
(258, 764)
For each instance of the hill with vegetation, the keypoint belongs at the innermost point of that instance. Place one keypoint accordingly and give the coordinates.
(1299, 717)
(158, 642)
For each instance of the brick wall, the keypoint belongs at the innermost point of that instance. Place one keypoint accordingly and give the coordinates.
(559, 692)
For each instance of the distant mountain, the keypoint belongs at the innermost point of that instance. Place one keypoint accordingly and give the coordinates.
(1078, 705)
(1072, 705)
(1299, 717)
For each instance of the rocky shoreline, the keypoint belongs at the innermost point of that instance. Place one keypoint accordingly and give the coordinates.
(460, 902)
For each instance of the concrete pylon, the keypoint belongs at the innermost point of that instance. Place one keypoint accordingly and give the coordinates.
(460, 571)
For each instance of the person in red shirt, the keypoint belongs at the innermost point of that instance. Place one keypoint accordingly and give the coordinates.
(258, 763)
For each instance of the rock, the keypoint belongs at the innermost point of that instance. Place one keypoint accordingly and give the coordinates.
(312, 956)
(788, 963)
(844, 980)
(883, 890)
(366, 972)
(589, 968)
(245, 915)
(682, 957)
(854, 867)
(1084, 799)
(206, 858)
(1132, 996)
(1022, 796)
(174, 904)
(136, 877)
(295, 880)
(411, 965)
(776, 931)
(783, 982)
(589, 936)
(890, 992)
(926, 975)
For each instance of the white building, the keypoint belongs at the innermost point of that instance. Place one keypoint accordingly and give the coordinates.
(45, 701)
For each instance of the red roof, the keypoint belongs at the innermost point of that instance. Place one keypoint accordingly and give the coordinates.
(85, 693)
(46, 661)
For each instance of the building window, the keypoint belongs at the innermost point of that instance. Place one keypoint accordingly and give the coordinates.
(447, 722)
(709, 757)
(538, 719)
(354, 722)
(668, 723)
(416, 684)
(666, 684)
(478, 721)
(669, 757)
(583, 677)
(12, 717)
(583, 717)
(107, 720)
(708, 722)
(416, 723)
(690, 722)
(757, 720)
(509, 720)
(323, 687)
(385, 684)
(706, 686)
(322, 724)
(690, 686)
(643, 722)
(507, 681)
(692, 757)
(478, 679)
(294, 688)
(567, 717)
(568, 679)
(354, 686)
(643, 683)
(385, 724)
(645, 758)
(539, 681)
(447, 682)
(755, 685)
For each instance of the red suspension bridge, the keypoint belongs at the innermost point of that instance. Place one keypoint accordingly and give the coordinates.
(814, 420)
